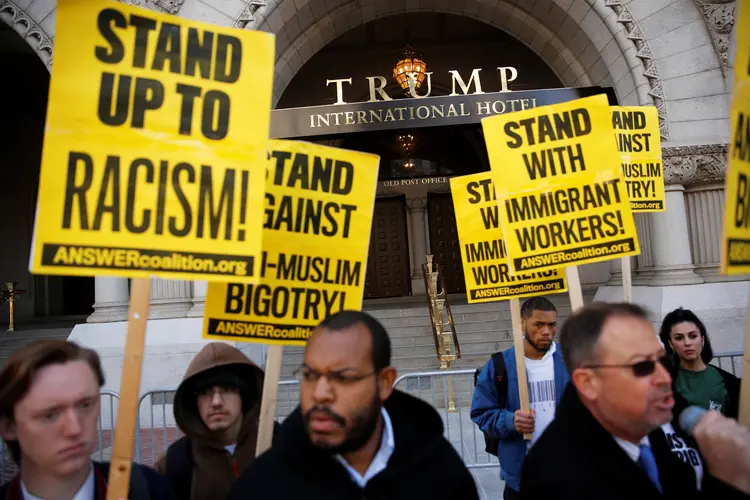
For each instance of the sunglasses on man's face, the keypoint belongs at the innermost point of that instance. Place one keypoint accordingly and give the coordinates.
(641, 368)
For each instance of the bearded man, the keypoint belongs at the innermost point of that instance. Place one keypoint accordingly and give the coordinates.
(496, 404)
(353, 435)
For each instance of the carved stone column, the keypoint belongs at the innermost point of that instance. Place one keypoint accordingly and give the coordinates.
(111, 295)
(416, 207)
(669, 230)
(199, 299)
(170, 298)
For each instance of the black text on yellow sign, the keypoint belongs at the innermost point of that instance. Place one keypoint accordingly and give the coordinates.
(639, 142)
(557, 176)
(317, 220)
(735, 246)
(485, 263)
(155, 149)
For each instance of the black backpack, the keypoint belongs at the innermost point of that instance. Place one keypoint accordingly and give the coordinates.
(501, 386)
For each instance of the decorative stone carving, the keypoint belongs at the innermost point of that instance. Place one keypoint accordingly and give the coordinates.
(719, 17)
(170, 6)
(247, 16)
(22, 23)
(651, 71)
(416, 204)
(689, 165)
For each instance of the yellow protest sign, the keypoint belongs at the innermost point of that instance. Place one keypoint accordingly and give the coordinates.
(318, 217)
(735, 248)
(485, 263)
(155, 148)
(557, 175)
(639, 142)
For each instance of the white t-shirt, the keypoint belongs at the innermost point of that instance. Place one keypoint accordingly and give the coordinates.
(685, 450)
(230, 448)
(541, 378)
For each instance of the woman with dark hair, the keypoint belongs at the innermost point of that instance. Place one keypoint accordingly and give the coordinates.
(695, 381)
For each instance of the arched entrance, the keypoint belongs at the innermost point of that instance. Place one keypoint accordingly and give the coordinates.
(414, 210)
(24, 82)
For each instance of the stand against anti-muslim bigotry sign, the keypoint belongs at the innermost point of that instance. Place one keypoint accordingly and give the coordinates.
(558, 179)
(639, 141)
(318, 213)
(735, 244)
(483, 255)
(319, 205)
(154, 160)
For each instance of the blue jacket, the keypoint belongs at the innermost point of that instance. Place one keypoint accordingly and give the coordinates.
(498, 422)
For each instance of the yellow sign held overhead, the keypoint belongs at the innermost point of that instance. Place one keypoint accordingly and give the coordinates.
(485, 263)
(154, 153)
(318, 218)
(735, 248)
(557, 175)
(639, 142)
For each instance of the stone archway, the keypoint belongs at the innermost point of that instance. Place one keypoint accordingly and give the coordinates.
(585, 42)
(25, 26)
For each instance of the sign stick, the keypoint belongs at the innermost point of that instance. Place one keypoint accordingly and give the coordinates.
(574, 288)
(270, 396)
(744, 416)
(523, 386)
(122, 450)
(627, 280)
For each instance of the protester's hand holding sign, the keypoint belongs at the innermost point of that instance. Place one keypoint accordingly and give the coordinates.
(524, 421)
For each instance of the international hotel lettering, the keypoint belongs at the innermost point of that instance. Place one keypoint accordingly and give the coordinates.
(422, 112)
(467, 104)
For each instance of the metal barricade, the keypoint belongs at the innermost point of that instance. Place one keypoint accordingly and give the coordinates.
(155, 430)
(459, 430)
(729, 361)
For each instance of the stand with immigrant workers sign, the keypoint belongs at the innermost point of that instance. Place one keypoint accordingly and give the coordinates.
(318, 211)
(484, 259)
(735, 244)
(561, 196)
(639, 142)
(154, 157)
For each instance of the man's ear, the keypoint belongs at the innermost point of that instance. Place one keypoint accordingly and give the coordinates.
(386, 378)
(586, 383)
(8, 429)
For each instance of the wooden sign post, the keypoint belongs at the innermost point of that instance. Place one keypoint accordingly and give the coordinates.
(122, 449)
(627, 280)
(270, 397)
(147, 150)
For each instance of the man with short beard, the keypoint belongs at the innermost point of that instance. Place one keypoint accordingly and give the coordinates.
(353, 436)
(495, 407)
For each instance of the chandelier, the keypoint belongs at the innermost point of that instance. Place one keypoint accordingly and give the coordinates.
(409, 63)
(406, 142)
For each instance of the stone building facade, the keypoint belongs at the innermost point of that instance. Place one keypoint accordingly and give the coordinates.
(673, 54)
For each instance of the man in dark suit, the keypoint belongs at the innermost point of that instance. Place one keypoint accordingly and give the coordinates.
(606, 440)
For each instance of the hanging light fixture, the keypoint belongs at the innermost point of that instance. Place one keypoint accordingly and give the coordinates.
(409, 63)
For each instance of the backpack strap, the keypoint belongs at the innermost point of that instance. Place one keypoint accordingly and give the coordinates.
(180, 467)
(501, 379)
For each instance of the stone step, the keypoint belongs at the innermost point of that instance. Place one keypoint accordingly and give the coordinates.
(12, 341)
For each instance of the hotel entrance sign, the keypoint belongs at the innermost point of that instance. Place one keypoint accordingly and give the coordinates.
(408, 113)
